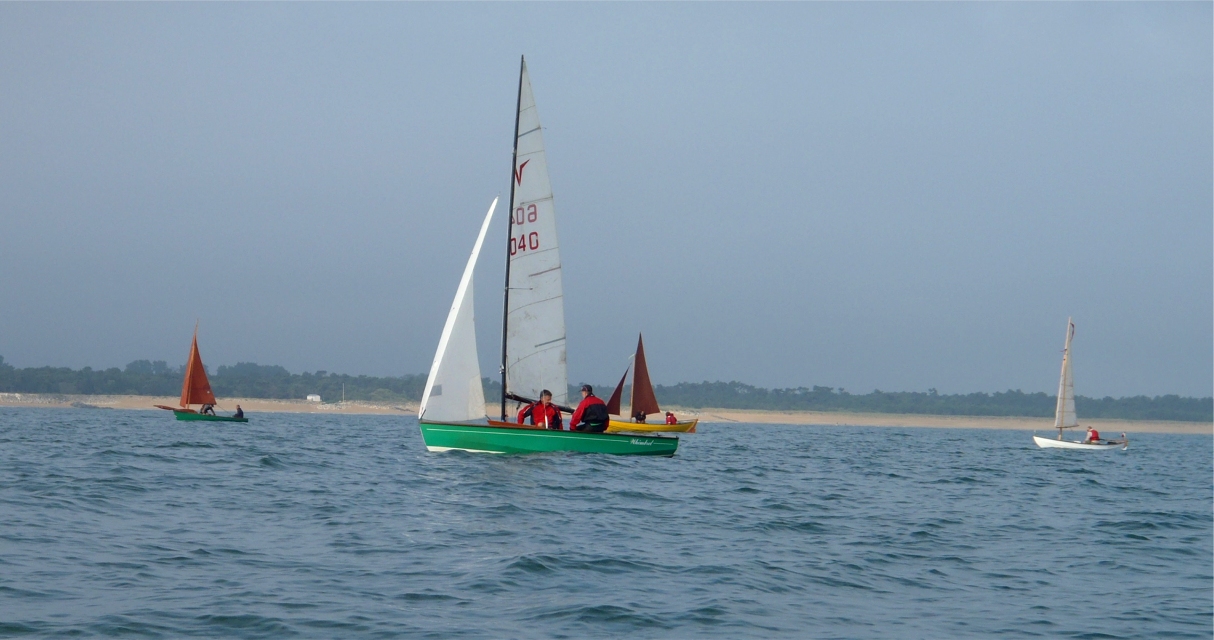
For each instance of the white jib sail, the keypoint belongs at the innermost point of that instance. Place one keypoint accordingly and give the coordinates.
(453, 390)
(1064, 415)
(535, 321)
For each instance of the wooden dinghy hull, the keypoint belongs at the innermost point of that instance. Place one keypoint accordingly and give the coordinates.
(194, 415)
(1052, 443)
(511, 438)
(619, 426)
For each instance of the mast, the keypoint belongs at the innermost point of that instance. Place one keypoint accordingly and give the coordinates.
(518, 103)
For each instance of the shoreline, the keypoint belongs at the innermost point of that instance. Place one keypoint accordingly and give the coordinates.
(707, 415)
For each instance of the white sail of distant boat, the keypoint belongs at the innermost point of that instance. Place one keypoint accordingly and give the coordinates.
(534, 331)
(453, 390)
(1064, 412)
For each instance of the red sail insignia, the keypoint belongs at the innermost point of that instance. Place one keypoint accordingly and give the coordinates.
(518, 173)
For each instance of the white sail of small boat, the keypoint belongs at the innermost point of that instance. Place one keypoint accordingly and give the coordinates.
(533, 335)
(1064, 412)
(453, 390)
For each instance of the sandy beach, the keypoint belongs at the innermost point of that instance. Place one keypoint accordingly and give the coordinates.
(708, 416)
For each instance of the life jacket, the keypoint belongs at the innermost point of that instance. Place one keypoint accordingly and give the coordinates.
(595, 415)
(537, 413)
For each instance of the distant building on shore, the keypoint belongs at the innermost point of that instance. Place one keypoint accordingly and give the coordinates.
(312, 397)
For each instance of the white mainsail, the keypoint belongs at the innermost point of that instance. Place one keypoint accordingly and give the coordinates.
(1064, 415)
(535, 314)
(453, 390)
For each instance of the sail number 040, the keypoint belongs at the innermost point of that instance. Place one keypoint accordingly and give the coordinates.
(525, 242)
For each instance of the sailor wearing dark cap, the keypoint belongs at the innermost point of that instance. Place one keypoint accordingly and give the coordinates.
(591, 413)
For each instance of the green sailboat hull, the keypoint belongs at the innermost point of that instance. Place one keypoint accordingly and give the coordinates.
(466, 437)
(186, 415)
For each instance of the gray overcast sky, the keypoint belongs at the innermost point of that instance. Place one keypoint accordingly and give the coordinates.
(894, 196)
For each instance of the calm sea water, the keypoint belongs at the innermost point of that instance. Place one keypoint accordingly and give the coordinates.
(128, 523)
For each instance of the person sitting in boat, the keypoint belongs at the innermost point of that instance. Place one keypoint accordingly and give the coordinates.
(591, 414)
(640, 417)
(1093, 436)
(670, 419)
(207, 410)
(239, 412)
(542, 412)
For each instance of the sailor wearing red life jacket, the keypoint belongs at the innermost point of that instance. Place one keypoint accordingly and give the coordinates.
(543, 413)
(670, 419)
(1093, 436)
(591, 414)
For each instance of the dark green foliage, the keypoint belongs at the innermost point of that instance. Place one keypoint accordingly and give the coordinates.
(736, 395)
(249, 380)
(1169, 407)
(243, 380)
(139, 378)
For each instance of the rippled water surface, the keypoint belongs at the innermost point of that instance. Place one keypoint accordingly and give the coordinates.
(120, 523)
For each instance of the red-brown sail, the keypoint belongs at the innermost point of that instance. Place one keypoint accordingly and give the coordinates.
(613, 405)
(195, 389)
(643, 399)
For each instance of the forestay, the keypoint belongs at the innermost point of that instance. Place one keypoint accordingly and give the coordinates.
(453, 390)
(535, 317)
(1064, 414)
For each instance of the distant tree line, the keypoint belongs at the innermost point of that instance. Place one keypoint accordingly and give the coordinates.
(249, 380)
(736, 395)
(243, 380)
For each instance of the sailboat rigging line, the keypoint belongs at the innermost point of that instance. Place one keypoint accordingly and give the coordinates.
(528, 132)
(522, 65)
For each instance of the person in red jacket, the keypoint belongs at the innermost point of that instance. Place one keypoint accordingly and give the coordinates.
(543, 412)
(670, 419)
(591, 414)
(1093, 436)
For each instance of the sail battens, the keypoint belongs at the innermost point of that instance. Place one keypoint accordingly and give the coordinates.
(515, 310)
(540, 251)
(534, 335)
(1064, 413)
(536, 354)
(548, 199)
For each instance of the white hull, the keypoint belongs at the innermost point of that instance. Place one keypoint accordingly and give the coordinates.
(1051, 443)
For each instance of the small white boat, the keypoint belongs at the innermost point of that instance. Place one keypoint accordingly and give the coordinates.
(1104, 445)
(1064, 414)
